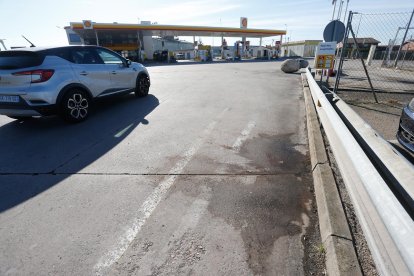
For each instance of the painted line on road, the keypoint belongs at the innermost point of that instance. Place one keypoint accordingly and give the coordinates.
(243, 137)
(123, 131)
(151, 203)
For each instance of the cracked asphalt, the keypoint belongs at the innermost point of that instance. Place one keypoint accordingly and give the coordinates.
(208, 175)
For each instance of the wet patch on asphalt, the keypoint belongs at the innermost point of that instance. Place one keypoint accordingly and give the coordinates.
(263, 212)
(272, 207)
(271, 214)
(274, 154)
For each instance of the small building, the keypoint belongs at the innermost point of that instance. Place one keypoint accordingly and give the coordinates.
(263, 52)
(364, 45)
(408, 45)
(304, 48)
(171, 44)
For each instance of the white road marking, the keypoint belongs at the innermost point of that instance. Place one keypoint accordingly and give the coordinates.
(243, 137)
(122, 132)
(152, 201)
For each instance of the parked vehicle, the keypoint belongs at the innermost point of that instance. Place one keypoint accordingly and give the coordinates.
(65, 80)
(180, 56)
(160, 55)
(405, 134)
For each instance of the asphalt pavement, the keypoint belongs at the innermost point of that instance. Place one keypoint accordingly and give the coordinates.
(208, 175)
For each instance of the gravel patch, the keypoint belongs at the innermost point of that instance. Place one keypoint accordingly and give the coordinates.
(383, 116)
(314, 255)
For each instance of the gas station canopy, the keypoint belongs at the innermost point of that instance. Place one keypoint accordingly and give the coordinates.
(169, 30)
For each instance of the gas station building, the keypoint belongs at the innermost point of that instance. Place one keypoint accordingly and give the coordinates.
(142, 40)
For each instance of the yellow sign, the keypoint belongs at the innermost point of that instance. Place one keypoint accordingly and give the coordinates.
(87, 24)
(243, 22)
(324, 61)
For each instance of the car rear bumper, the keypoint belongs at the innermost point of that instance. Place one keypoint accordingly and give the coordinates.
(405, 134)
(22, 108)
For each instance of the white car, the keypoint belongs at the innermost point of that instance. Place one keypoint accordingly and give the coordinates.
(65, 80)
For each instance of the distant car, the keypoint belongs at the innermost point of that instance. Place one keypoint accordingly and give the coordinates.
(405, 134)
(179, 56)
(65, 80)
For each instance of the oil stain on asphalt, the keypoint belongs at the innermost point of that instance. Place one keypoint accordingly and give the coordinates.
(274, 205)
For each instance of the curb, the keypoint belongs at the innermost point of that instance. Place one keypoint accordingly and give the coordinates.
(336, 237)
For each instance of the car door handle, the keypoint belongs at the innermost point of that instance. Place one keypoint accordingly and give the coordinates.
(113, 72)
(84, 73)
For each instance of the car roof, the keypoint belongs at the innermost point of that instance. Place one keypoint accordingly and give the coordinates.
(38, 49)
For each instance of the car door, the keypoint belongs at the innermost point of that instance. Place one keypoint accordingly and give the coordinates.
(90, 70)
(123, 77)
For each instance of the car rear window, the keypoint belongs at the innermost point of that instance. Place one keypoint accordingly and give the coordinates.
(10, 60)
(59, 52)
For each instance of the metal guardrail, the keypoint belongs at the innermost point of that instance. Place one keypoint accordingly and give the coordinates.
(388, 228)
(395, 169)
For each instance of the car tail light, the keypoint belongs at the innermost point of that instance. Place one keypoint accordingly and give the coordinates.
(37, 75)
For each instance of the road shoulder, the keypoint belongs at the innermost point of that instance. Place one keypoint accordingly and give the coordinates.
(336, 238)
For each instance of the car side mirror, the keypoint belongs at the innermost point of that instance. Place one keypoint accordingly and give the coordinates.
(128, 63)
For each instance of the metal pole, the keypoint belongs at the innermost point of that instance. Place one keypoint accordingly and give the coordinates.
(405, 36)
(363, 64)
(97, 38)
(392, 46)
(344, 44)
(340, 10)
(2, 43)
(346, 9)
(333, 13)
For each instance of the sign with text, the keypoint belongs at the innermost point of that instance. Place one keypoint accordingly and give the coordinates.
(324, 61)
(325, 55)
(326, 48)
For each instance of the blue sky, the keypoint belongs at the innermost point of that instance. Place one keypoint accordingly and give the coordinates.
(42, 21)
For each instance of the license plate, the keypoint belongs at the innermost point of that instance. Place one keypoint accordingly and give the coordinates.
(9, 99)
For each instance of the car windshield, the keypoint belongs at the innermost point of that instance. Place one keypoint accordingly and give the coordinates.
(19, 59)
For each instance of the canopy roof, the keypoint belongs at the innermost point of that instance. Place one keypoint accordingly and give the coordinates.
(170, 30)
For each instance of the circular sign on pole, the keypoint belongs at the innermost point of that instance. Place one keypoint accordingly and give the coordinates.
(334, 31)
(243, 22)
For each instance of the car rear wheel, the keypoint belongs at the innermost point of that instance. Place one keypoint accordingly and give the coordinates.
(142, 87)
(75, 106)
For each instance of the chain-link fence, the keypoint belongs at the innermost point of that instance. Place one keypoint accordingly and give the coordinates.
(377, 53)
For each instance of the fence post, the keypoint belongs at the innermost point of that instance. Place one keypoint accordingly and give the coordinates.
(341, 59)
(405, 36)
(363, 64)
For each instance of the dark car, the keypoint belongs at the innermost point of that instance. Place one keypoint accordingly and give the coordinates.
(160, 55)
(405, 134)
